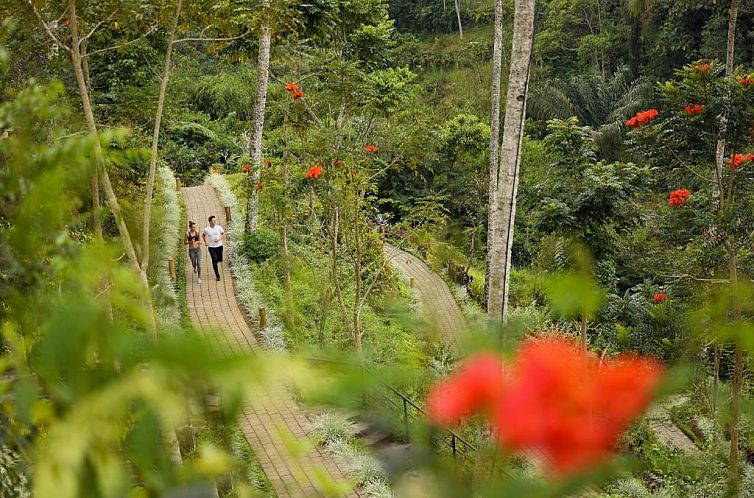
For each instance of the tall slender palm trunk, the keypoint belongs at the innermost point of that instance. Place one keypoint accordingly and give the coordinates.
(260, 104)
(494, 159)
(504, 207)
(738, 368)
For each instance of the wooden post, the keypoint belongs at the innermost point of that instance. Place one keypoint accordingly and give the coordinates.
(262, 318)
(412, 282)
(178, 184)
(171, 269)
(228, 218)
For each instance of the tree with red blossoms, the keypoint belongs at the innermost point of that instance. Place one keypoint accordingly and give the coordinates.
(719, 220)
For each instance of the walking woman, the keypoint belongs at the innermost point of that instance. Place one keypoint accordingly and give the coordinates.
(193, 240)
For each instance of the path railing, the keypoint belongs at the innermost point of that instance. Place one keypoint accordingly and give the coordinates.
(443, 440)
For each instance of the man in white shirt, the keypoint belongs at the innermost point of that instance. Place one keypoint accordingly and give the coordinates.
(213, 237)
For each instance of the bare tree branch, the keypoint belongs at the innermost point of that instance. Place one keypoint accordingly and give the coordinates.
(202, 39)
(96, 26)
(116, 47)
(47, 27)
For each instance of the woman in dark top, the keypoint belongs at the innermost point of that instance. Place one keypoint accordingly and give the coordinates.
(193, 239)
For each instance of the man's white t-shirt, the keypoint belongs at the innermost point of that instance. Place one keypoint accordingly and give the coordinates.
(213, 236)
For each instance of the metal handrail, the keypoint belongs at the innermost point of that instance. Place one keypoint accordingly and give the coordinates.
(455, 438)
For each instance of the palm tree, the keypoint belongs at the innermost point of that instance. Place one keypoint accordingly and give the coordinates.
(598, 102)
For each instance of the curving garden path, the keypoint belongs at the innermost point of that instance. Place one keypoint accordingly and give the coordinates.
(274, 419)
(435, 296)
(444, 313)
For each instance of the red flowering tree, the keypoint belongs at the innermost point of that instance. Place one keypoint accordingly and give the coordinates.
(689, 145)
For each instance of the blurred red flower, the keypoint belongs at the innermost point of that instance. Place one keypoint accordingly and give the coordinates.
(678, 197)
(702, 68)
(297, 94)
(267, 161)
(471, 388)
(291, 87)
(370, 148)
(745, 80)
(246, 168)
(314, 172)
(659, 297)
(554, 400)
(692, 109)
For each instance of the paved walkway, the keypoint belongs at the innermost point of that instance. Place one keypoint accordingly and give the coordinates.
(273, 420)
(435, 296)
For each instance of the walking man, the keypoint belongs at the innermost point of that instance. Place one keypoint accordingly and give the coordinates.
(213, 237)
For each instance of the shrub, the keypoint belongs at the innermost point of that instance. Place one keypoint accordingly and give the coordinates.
(330, 427)
(14, 483)
(260, 245)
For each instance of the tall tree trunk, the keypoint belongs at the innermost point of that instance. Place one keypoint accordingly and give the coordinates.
(499, 250)
(335, 273)
(458, 17)
(111, 198)
(729, 62)
(738, 375)
(731, 41)
(357, 274)
(156, 139)
(494, 160)
(283, 232)
(260, 104)
(738, 370)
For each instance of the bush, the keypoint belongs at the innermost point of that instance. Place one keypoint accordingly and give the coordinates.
(260, 245)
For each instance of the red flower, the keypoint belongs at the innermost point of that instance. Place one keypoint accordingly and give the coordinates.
(370, 148)
(258, 187)
(267, 162)
(246, 168)
(678, 197)
(659, 297)
(736, 160)
(554, 400)
(294, 91)
(314, 172)
(472, 388)
(745, 80)
(701, 68)
(642, 118)
(692, 109)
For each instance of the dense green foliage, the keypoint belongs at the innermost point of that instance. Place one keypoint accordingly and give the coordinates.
(388, 139)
